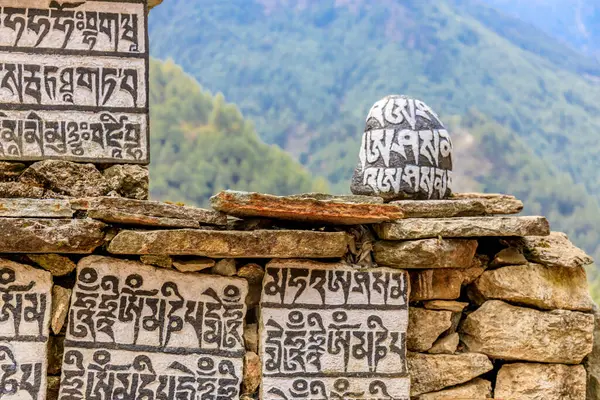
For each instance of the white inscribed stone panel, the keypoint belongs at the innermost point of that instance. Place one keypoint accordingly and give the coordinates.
(135, 329)
(25, 306)
(332, 331)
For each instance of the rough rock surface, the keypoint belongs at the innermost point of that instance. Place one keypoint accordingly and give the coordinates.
(193, 265)
(61, 298)
(66, 178)
(592, 362)
(13, 190)
(244, 205)
(446, 345)
(35, 208)
(162, 261)
(507, 332)
(150, 208)
(56, 348)
(53, 387)
(525, 381)
(128, 180)
(20, 235)
(438, 284)
(426, 253)
(11, 170)
(233, 244)
(118, 217)
(477, 389)
(56, 264)
(536, 285)
(252, 373)
(225, 267)
(425, 326)
(509, 256)
(459, 207)
(448, 305)
(421, 228)
(494, 203)
(251, 337)
(554, 250)
(433, 372)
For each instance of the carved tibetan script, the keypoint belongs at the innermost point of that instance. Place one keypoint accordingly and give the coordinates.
(332, 332)
(74, 80)
(137, 332)
(25, 307)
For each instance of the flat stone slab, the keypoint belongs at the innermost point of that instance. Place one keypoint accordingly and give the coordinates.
(305, 209)
(425, 253)
(425, 327)
(348, 327)
(122, 218)
(507, 332)
(477, 389)
(34, 235)
(24, 329)
(35, 208)
(421, 228)
(555, 250)
(129, 317)
(494, 203)
(148, 208)
(459, 207)
(233, 244)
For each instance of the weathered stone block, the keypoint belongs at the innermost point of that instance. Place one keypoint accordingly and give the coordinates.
(592, 362)
(61, 298)
(333, 311)
(35, 208)
(128, 180)
(233, 244)
(459, 207)
(446, 345)
(425, 327)
(540, 381)
(66, 178)
(507, 332)
(117, 217)
(494, 203)
(554, 250)
(426, 253)
(194, 264)
(477, 389)
(225, 267)
(431, 284)
(536, 285)
(509, 256)
(14, 190)
(133, 317)
(455, 306)
(421, 228)
(56, 264)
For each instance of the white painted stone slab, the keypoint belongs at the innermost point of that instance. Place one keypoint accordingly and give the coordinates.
(180, 334)
(331, 331)
(25, 301)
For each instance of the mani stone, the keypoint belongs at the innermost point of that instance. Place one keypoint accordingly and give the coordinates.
(61, 298)
(333, 211)
(66, 178)
(477, 389)
(25, 329)
(425, 253)
(469, 207)
(554, 250)
(536, 285)
(433, 372)
(56, 264)
(233, 244)
(405, 153)
(507, 332)
(421, 228)
(446, 345)
(334, 311)
(440, 284)
(525, 381)
(35, 208)
(425, 327)
(32, 235)
(139, 318)
(128, 180)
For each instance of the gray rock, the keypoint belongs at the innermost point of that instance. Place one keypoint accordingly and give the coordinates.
(426, 253)
(66, 178)
(425, 327)
(467, 207)
(555, 250)
(494, 203)
(128, 180)
(35, 208)
(507, 332)
(118, 217)
(421, 228)
(406, 153)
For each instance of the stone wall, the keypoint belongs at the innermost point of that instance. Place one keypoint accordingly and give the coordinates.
(498, 305)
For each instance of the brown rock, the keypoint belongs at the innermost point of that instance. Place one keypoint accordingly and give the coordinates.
(421, 228)
(162, 261)
(56, 264)
(66, 178)
(253, 297)
(509, 256)
(459, 207)
(12, 190)
(252, 373)
(53, 387)
(128, 180)
(61, 299)
(225, 267)
(433, 372)
(477, 389)
(193, 265)
(448, 305)
(10, 170)
(153, 3)
(29, 235)
(592, 362)
(251, 337)
(346, 198)
(425, 326)
(446, 345)
(426, 253)
(540, 381)
(56, 348)
(253, 273)
(507, 332)
(150, 209)
(536, 285)
(494, 203)
(436, 284)
(35, 208)
(331, 211)
(232, 244)
(117, 217)
(555, 251)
